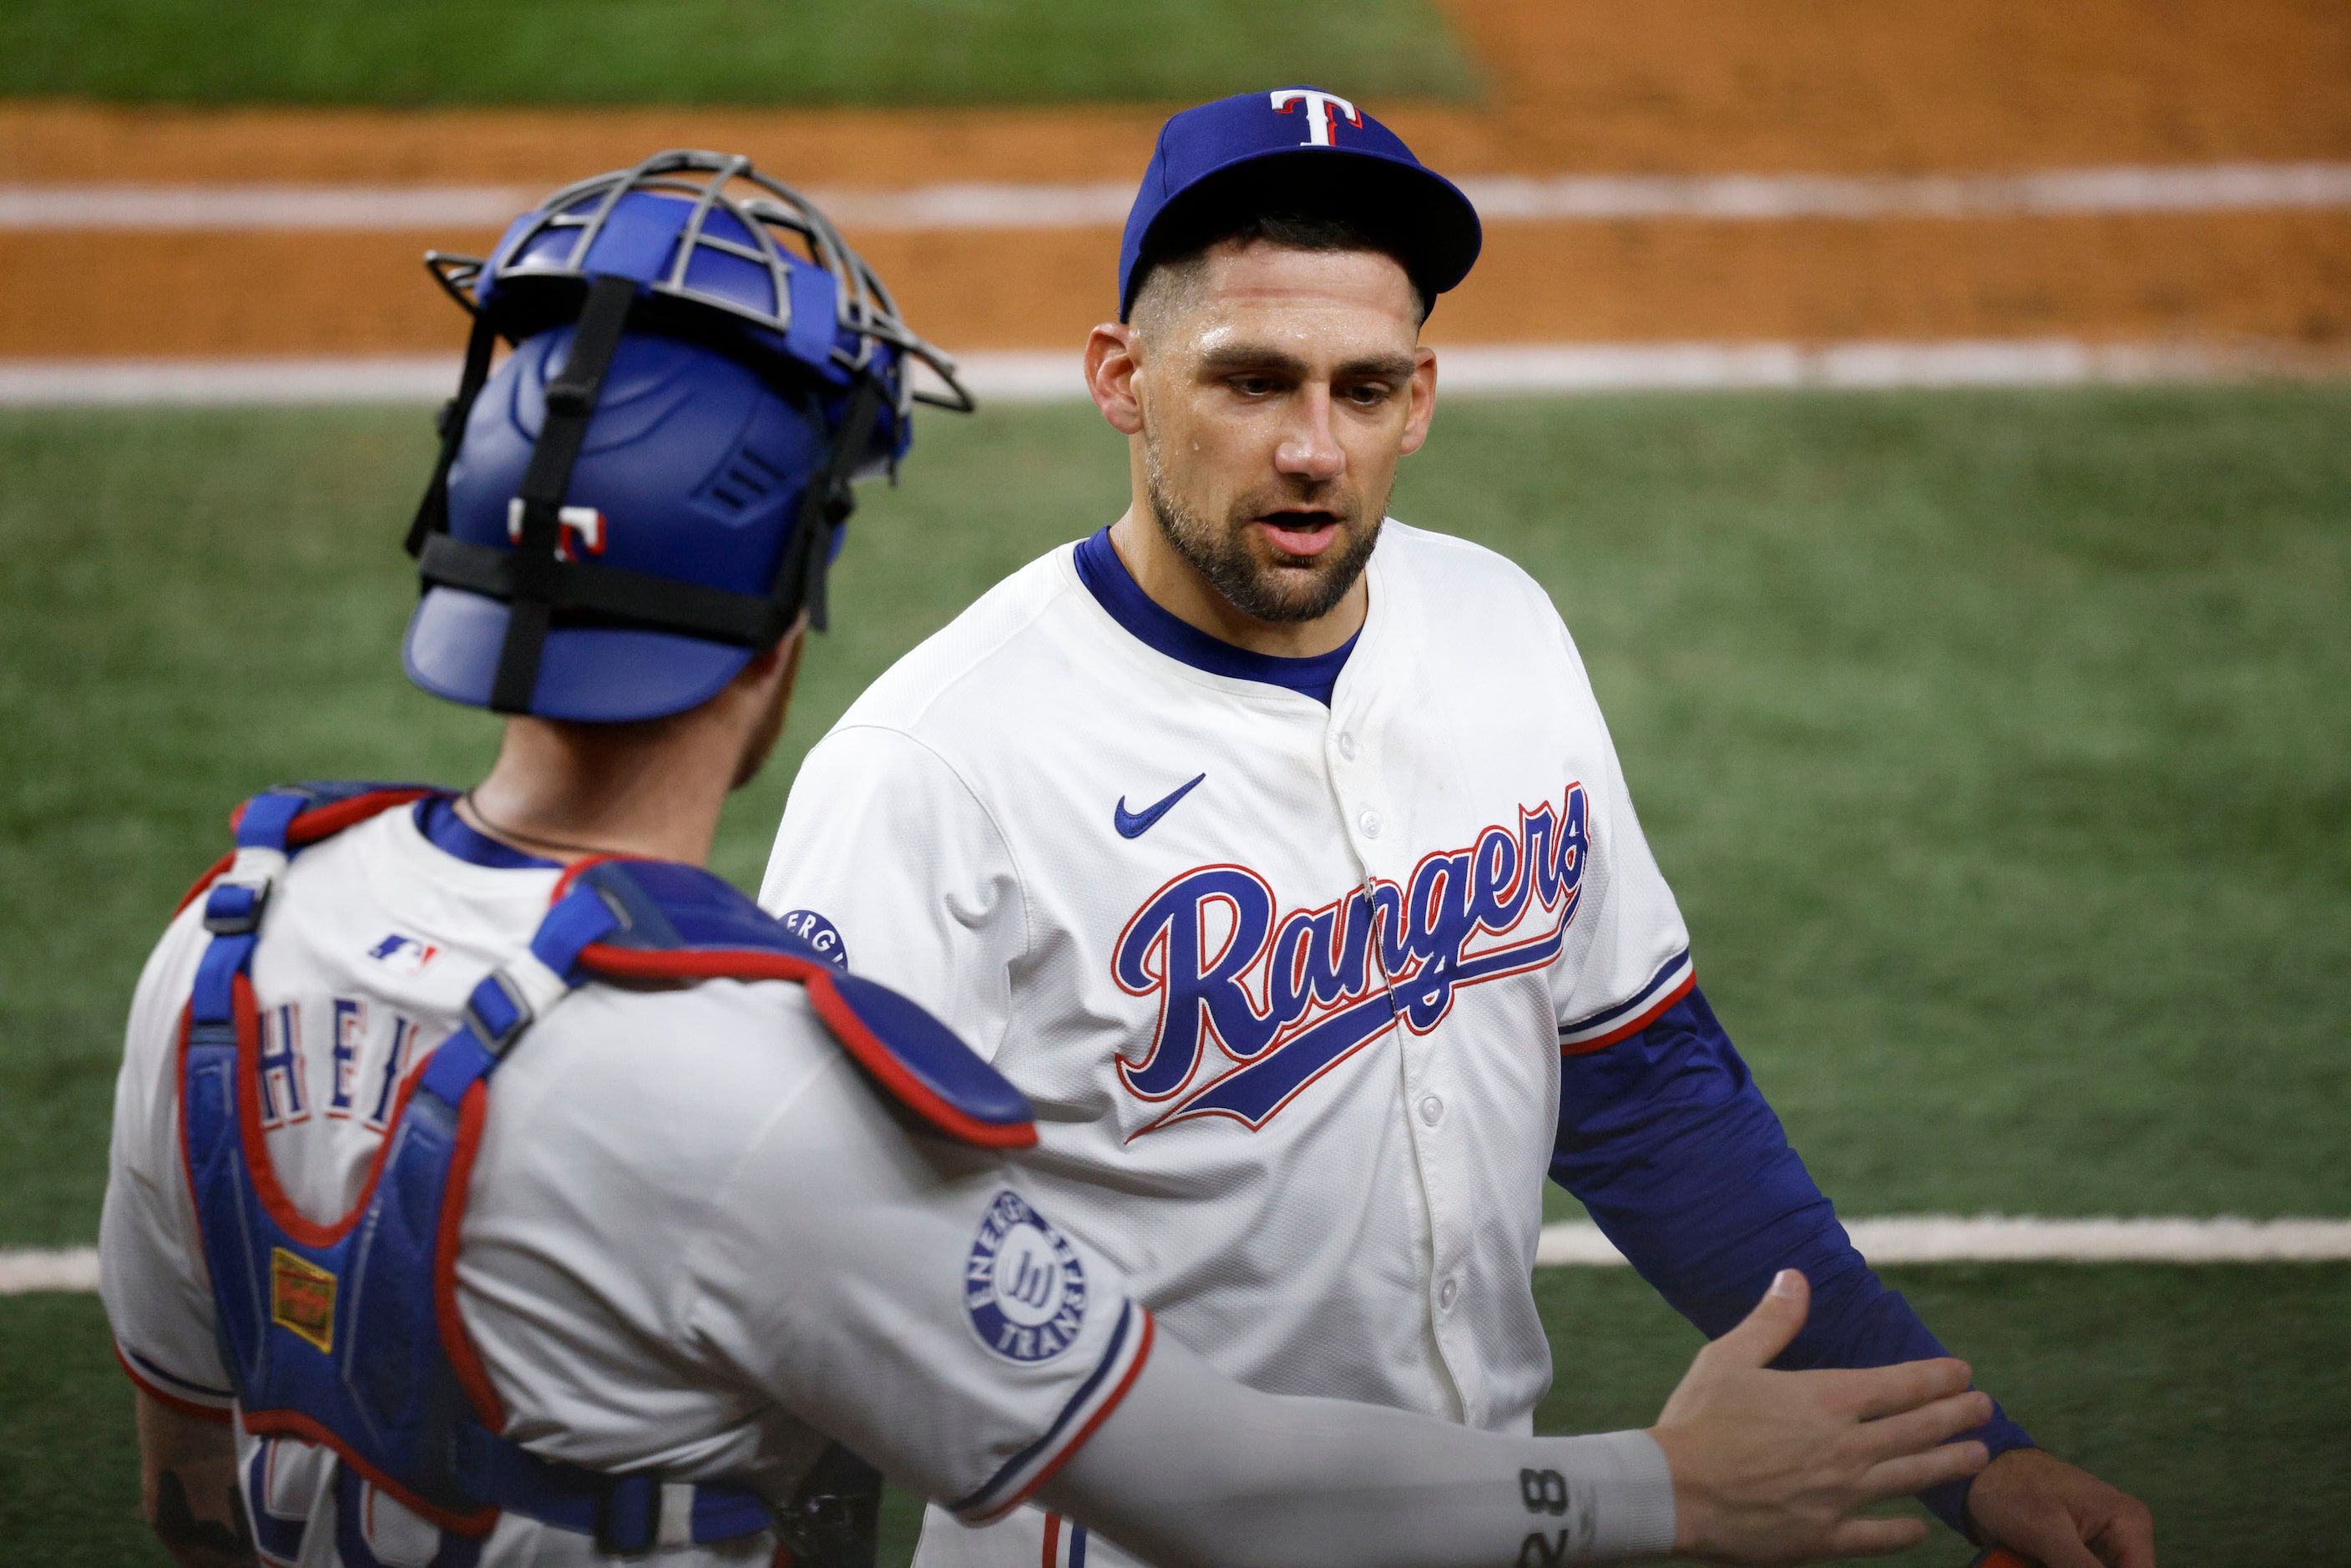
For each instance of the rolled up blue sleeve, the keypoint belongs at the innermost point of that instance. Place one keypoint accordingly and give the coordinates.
(1664, 1137)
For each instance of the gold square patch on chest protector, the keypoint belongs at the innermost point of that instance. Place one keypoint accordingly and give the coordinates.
(302, 1298)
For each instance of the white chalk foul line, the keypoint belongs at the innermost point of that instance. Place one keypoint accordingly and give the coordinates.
(1481, 369)
(24, 1271)
(2131, 188)
(929, 209)
(1997, 1239)
(1887, 1242)
(261, 207)
(35, 384)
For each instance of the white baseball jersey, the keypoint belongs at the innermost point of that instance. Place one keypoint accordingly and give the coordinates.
(697, 1242)
(1287, 984)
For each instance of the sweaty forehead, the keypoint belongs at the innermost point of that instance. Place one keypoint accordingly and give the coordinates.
(1313, 303)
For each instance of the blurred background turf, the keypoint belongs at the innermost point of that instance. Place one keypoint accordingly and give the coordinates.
(891, 53)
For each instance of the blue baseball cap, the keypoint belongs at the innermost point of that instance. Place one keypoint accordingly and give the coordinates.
(1295, 148)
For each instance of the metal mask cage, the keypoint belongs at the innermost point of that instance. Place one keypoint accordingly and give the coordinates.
(865, 310)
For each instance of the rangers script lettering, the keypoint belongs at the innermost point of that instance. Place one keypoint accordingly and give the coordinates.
(1284, 1002)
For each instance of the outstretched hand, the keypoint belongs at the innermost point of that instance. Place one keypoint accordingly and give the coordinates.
(1769, 1467)
(2059, 1515)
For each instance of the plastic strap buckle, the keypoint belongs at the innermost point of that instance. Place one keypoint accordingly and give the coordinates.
(234, 908)
(497, 1013)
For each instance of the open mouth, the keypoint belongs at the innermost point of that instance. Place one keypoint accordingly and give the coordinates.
(1299, 533)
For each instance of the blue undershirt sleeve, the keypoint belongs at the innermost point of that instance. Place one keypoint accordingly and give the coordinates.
(1664, 1137)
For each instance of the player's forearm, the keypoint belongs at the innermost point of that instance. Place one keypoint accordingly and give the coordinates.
(1861, 1324)
(1684, 1164)
(187, 1472)
(1195, 1468)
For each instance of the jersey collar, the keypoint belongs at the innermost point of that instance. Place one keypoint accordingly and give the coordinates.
(1114, 589)
(437, 819)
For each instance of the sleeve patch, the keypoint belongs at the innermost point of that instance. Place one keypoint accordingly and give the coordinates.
(819, 934)
(1024, 1287)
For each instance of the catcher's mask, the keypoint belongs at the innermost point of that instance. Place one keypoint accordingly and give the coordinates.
(648, 490)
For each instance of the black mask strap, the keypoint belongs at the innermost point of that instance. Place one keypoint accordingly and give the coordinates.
(830, 500)
(432, 512)
(571, 404)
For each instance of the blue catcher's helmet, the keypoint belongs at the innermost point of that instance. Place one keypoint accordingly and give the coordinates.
(648, 490)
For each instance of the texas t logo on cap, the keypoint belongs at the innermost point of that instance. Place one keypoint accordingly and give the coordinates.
(1221, 161)
(1319, 121)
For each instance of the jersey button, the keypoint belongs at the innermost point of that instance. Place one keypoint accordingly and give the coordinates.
(1370, 822)
(1347, 744)
(1432, 1110)
(1447, 1294)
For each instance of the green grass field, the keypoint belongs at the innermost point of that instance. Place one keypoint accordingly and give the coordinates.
(2218, 1394)
(1998, 744)
(891, 53)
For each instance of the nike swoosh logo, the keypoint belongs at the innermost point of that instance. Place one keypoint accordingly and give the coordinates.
(1134, 824)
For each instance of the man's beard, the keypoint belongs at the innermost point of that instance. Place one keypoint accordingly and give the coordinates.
(1253, 587)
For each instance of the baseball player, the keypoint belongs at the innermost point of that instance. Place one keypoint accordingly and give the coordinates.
(491, 1185)
(1279, 852)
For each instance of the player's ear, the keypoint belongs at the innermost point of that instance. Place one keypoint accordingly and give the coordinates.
(1112, 356)
(767, 682)
(1423, 398)
(782, 653)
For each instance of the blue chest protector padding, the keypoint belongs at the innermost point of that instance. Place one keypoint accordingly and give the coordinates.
(347, 1334)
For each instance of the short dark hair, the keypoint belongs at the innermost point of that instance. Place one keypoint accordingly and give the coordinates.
(1236, 210)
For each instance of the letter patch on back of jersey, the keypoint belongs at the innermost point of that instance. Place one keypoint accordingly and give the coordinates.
(302, 1298)
(1023, 1286)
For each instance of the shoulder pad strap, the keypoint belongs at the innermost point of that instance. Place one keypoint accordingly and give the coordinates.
(660, 906)
(289, 816)
(292, 815)
(639, 920)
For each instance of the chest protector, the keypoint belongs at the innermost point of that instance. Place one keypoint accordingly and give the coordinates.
(347, 1332)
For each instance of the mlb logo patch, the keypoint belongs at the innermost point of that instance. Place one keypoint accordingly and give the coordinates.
(403, 955)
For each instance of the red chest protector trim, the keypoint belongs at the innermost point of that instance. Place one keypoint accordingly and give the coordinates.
(347, 1334)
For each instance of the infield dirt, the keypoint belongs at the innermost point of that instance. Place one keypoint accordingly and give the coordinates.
(1576, 85)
